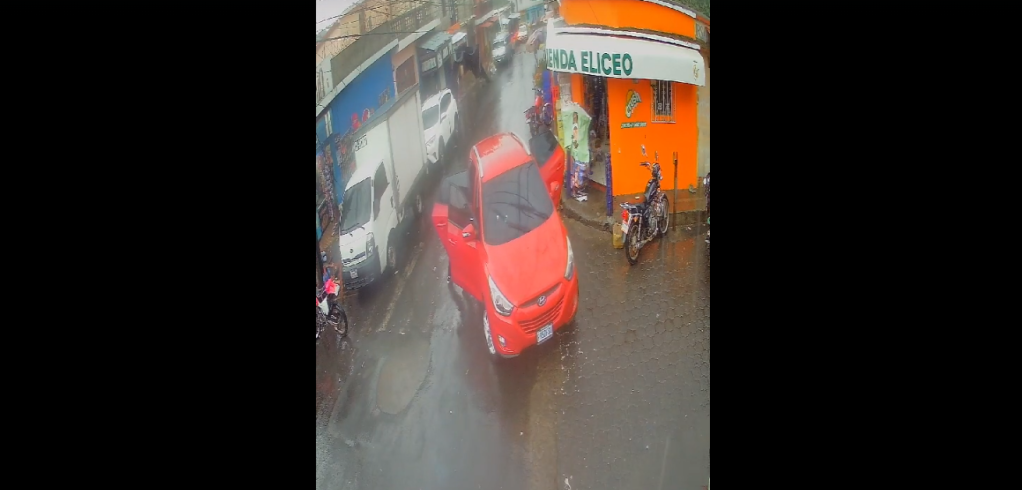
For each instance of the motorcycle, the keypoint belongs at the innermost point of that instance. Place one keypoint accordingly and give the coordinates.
(328, 311)
(706, 184)
(642, 222)
(541, 113)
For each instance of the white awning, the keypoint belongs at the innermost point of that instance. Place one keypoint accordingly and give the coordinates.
(623, 55)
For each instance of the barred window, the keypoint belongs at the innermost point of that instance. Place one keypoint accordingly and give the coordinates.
(663, 101)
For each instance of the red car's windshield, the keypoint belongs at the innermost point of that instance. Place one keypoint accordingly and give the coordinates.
(514, 203)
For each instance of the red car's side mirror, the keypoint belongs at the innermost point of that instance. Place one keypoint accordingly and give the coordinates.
(469, 233)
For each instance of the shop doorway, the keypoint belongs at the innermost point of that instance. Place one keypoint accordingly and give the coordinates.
(429, 84)
(594, 91)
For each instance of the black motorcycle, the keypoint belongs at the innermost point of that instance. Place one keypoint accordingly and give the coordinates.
(706, 184)
(643, 221)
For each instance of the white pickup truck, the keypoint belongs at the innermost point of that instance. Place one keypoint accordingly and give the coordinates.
(384, 194)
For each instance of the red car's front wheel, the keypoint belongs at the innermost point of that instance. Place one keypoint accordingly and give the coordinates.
(488, 335)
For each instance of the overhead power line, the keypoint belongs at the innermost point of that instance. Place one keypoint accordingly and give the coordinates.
(393, 3)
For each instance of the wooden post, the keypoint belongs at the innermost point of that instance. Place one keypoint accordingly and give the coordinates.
(674, 205)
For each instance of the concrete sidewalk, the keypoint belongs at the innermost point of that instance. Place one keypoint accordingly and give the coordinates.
(689, 210)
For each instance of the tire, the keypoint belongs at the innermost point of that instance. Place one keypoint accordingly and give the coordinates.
(664, 223)
(632, 236)
(488, 337)
(391, 255)
(341, 327)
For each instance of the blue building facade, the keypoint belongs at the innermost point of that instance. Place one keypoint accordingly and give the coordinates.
(355, 105)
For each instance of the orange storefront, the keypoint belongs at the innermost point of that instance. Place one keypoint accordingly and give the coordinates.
(637, 57)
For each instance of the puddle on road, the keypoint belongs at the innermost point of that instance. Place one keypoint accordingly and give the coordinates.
(402, 374)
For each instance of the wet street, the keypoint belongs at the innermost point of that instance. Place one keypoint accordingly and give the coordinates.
(410, 399)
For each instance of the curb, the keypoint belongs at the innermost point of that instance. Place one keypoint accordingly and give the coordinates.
(596, 224)
(681, 218)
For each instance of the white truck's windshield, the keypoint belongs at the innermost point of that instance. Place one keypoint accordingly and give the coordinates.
(358, 206)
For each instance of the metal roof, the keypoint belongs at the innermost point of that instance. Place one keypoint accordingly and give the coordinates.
(435, 41)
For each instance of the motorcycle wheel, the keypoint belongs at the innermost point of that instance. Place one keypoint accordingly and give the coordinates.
(632, 246)
(341, 327)
(319, 324)
(664, 220)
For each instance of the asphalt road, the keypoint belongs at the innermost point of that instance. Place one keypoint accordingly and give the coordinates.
(410, 400)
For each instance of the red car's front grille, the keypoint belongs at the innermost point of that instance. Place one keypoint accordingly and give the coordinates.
(529, 326)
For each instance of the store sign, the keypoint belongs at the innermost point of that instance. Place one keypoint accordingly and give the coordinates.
(429, 64)
(589, 62)
(633, 101)
(623, 57)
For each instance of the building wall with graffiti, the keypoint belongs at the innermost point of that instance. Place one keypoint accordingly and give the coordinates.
(354, 106)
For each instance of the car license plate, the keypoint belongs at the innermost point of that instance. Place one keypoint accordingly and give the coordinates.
(354, 274)
(624, 227)
(544, 333)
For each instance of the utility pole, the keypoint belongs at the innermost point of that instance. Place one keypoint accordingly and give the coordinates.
(674, 221)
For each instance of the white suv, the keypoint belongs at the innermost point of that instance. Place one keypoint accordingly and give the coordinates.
(441, 120)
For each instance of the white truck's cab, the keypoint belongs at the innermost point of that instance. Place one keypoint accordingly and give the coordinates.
(368, 206)
(384, 190)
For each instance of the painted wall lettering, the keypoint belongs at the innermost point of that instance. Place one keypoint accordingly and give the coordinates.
(361, 143)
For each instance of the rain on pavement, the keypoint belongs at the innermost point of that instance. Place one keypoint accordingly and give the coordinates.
(410, 399)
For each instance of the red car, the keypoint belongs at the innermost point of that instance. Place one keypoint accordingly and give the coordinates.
(507, 245)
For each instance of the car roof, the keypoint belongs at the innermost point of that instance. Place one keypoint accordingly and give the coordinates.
(434, 99)
(499, 153)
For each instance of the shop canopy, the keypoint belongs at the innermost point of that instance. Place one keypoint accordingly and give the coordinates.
(436, 41)
(623, 54)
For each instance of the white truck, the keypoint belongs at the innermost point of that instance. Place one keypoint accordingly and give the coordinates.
(384, 194)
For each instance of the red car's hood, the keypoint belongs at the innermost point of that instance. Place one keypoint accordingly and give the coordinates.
(530, 265)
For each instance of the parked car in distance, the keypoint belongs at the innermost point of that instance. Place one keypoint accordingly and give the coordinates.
(441, 119)
(507, 246)
(502, 52)
(523, 33)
